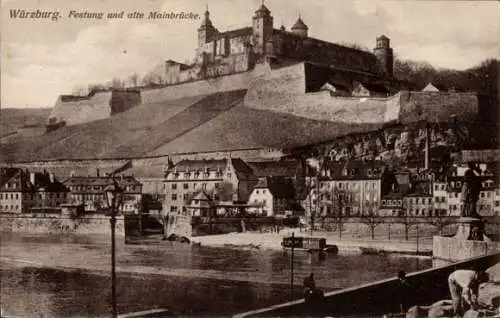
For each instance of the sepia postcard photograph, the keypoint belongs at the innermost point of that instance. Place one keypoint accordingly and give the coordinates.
(249, 158)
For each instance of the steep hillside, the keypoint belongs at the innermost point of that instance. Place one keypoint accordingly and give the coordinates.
(245, 127)
(129, 134)
(11, 119)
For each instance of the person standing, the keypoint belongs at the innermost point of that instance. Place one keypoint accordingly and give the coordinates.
(464, 288)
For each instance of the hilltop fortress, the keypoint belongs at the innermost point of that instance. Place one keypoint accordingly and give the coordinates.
(245, 52)
(255, 92)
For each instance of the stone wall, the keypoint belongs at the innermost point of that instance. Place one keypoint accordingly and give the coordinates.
(55, 224)
(284, 90)
(437, 106)
(209, 86)
(452, 249)
(82, 109)
(376, 298)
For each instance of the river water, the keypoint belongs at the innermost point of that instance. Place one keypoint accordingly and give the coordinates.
(53, 276)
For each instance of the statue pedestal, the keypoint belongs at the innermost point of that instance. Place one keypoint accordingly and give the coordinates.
(471, 228)
(469, 241)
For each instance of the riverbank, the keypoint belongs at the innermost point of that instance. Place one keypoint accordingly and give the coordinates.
(256, 240)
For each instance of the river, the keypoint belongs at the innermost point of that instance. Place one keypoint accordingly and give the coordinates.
(54, 276)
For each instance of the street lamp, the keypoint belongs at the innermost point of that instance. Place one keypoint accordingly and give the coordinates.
(114, 195)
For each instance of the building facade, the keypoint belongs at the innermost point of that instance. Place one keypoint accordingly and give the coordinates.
(273, 196)
(354, 187)
(21, 191)
(221, 179)
(89, 191)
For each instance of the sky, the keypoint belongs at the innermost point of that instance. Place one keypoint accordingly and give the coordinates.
(42, 58)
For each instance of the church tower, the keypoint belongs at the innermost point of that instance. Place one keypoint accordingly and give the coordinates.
(262, 29)
(206, 32)
(384, 54)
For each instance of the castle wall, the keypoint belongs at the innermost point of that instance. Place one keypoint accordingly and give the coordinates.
(82, 109)
(437, 106)
(77, 110)
(209, 86)
(283, 90)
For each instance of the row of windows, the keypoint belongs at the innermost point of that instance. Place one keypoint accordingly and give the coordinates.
(81, 188)
(484, 194)
(200, 175)
(484, 184)
(441, 187)
(8, 185)
(31, 196)
(12, 207)
(349, 185)
(185, 186)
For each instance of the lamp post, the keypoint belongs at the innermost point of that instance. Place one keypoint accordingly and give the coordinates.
(114, 195)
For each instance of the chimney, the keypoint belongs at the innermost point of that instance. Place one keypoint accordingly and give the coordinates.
(32, 178)
(51, 177)
(427, 142)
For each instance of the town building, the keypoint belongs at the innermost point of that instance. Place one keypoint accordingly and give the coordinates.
(440, 198)
(89, 191)
(353, 187)
(22, 190)
(273, 196)
(218, 180)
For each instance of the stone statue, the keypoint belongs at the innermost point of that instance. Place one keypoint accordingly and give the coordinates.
(470, 192)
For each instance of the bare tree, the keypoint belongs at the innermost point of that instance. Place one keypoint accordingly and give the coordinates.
(117, 83)
(134, 79)
(372, 218)
(96, 87)
(407, 217)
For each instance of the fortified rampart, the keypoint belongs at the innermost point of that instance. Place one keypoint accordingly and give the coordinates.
(283, 89)
(97, 105)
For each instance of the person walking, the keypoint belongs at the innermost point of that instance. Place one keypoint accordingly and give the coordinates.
(464, 288)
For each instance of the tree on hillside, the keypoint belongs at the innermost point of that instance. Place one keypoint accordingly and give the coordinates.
(134, 79)
(117, 83)
(96, 87)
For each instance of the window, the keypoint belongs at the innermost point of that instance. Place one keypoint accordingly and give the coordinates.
(487, 194)
(217, 185)
(482, 195)
(1, 195)
(430, 200)
(228, 175)
(174, 196)
(257, 191)
(204, 186)
(497, 203)
(174, 186)
(436, 187)
(186, 185)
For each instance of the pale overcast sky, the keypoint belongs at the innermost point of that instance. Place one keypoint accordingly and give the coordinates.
(41, 59)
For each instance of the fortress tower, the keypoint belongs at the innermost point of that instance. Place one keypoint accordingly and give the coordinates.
(206, 32)
(384, 54)
(300, 28)
(262, 29)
